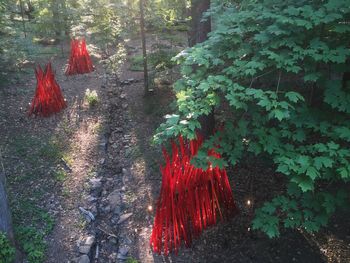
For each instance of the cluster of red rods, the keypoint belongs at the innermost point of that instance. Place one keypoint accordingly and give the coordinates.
(191, 199)
(48, 98)
(79, 60)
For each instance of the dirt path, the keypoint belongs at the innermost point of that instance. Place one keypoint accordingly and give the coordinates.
(49, 160)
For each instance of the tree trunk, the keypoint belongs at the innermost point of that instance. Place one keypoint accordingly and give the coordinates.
(56, 17)
(199, 29)
(199, 33)
(65, 17)
(144, 51)
(5, 216)
(23, 22)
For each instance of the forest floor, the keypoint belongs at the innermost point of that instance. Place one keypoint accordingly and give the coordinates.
(100, 158)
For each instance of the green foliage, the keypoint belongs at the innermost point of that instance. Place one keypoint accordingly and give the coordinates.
(168, 15)
(136, 63)
(278, 65)
(91, 97)
(7, 251)
(131, 260)
(32, 242)
(158, 60)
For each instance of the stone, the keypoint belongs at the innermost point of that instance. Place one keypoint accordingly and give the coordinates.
(106, 209)
(123, 250)
(87, 244)
(87, 214)
(113, 240)
(84, 259)
(123, 253)
(124, 217)
(90, 240)
(126, 173)
(114, 199)
(84, 249)
(95, 183)
(117, 210)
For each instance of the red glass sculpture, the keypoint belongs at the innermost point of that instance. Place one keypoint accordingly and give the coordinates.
(48, 98)
(191, 198)
(79, 60)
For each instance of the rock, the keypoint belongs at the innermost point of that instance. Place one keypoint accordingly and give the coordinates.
(84, 249)
(113, 240)
(123, 253)
(106, 209)
(95, 183)
(102, 161)
(123, 250)
(124, 217)
(124, 105)
(117, 210)
(84, 259)
(118, 130)
(87, 214)
(126, 172)
(86, 246)
(114, 199)
(90, 240)
(91, 199)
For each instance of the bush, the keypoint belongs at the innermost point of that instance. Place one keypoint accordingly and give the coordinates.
(281, 67)
(32, 242)
(7, 251)
(159, 60)
(91, 97)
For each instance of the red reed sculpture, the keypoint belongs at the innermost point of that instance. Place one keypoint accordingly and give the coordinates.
(79, 60)
(48, 98)
(191, 198)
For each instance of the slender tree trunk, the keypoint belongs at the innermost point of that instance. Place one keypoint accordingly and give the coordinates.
(56, 17)
(65, 17)
(23, 22)
(199, 29)
(5, 216)
(199, 33)
(144, 51)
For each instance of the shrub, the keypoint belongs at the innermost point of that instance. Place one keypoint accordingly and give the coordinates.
(281, 67)
(7, 251)
(91, 97)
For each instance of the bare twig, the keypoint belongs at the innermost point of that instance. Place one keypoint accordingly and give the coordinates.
(105, 231)
(278, 83)
(255, 78)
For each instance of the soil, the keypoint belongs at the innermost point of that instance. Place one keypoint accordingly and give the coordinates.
(111, 144)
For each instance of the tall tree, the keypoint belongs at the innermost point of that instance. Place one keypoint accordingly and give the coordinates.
(144, 51)
(199, 27)
(56, 17)
(199, 33)
(5, 216)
